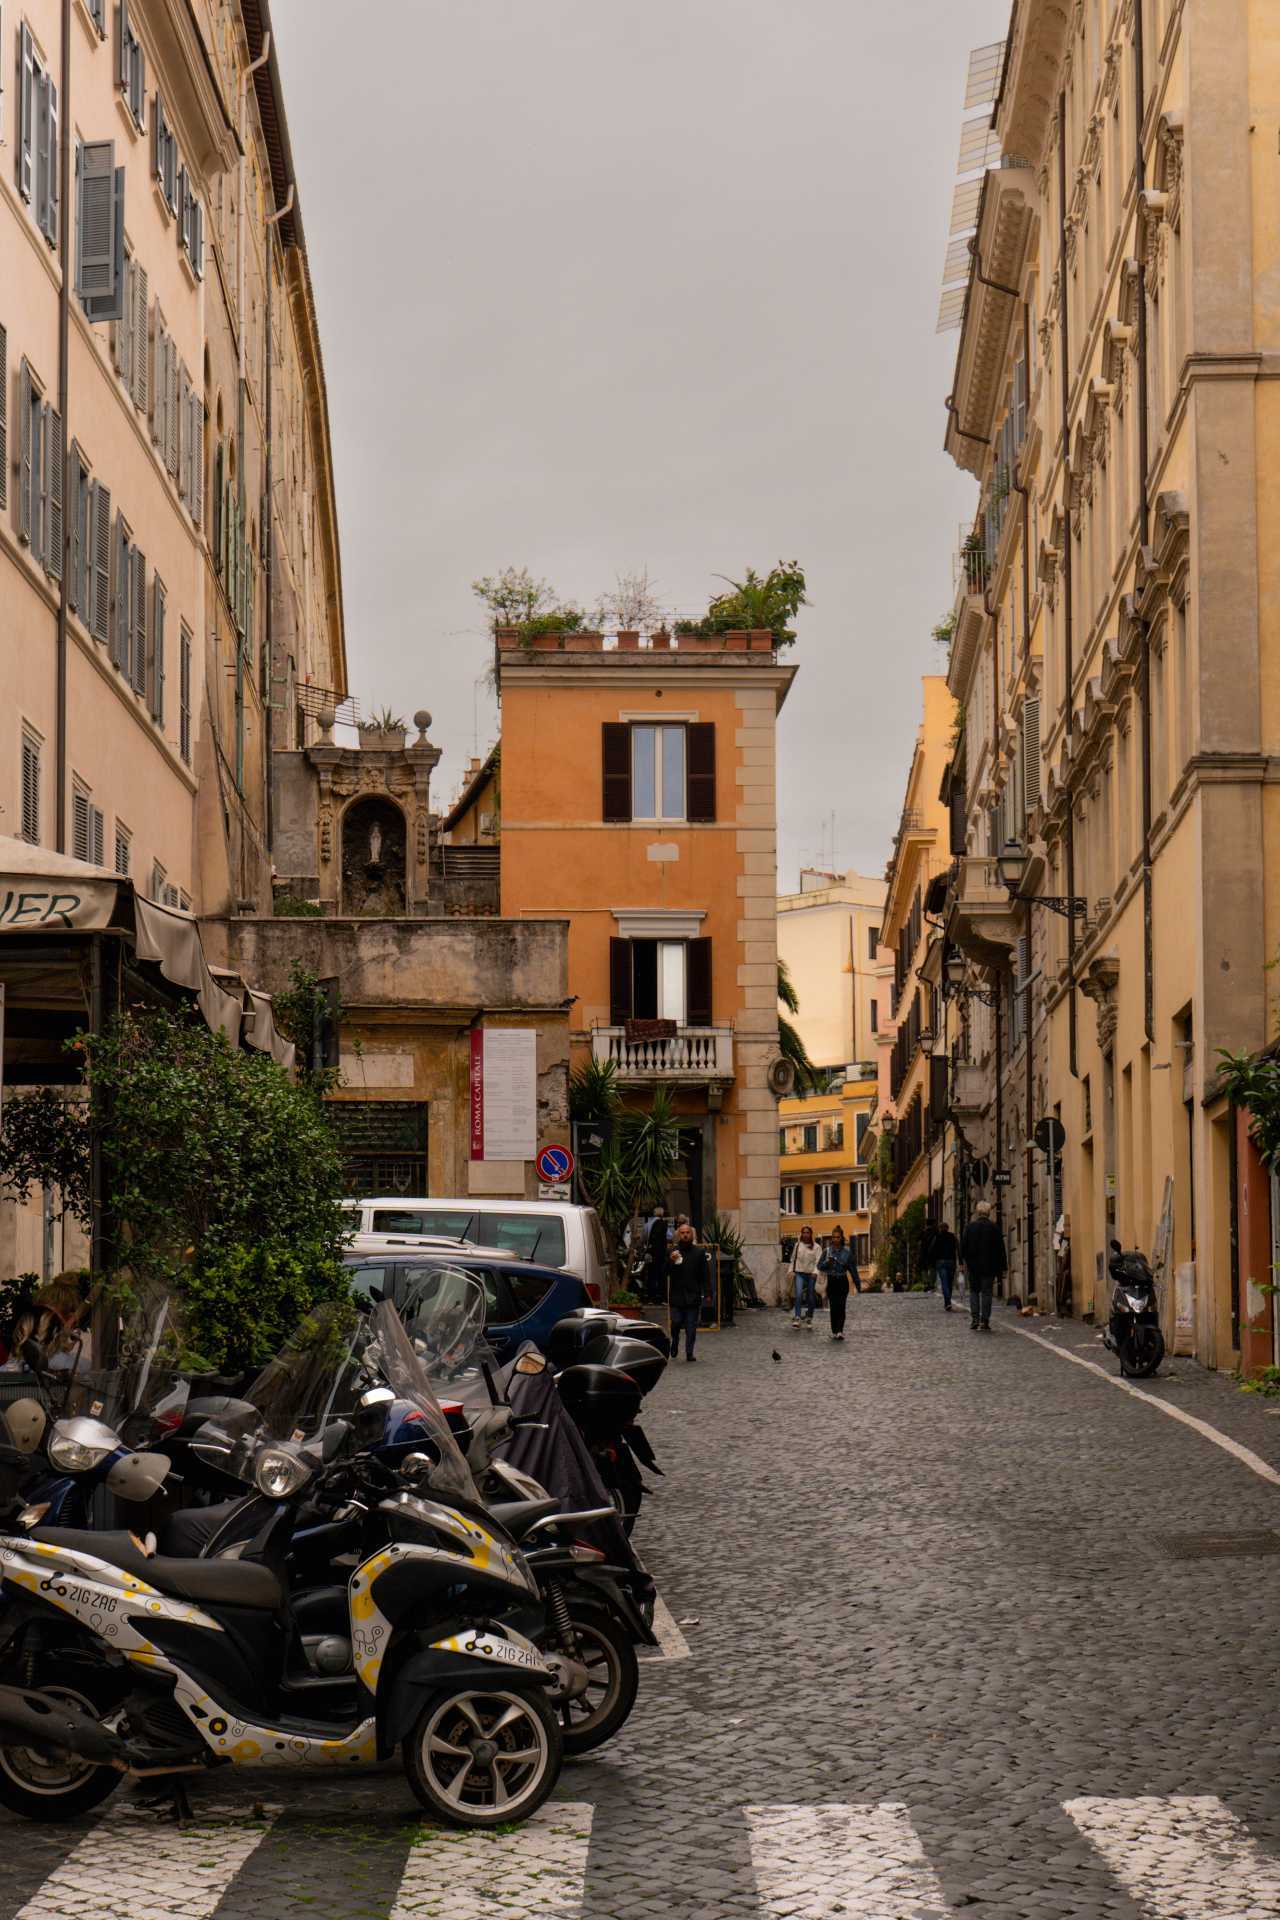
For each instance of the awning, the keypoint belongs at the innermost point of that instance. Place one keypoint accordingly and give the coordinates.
(53, 895)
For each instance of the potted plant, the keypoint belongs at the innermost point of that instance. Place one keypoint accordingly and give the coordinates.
(383, 730)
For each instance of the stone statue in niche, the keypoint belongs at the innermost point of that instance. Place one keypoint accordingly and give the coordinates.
(373, 858)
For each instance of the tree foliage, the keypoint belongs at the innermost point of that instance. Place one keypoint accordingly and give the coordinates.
(1252, 1081)
(627, 1167)
(45, 1141)
(790, 1043)
(224, 1177)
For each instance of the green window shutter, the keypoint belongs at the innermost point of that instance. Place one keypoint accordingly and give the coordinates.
(139, 659)
(100, 562)
(55, 468)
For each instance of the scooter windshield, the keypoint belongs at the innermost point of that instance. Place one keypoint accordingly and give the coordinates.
(450, 1321)
(297, 1399)
(125, 1362)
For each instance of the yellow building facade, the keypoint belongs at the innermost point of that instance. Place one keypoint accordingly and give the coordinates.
(169, 568)
(828, 939)
(910, 1113)
(824, 1178)
(1116, 649)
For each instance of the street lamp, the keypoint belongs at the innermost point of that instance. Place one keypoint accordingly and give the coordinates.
(1011, 863)
(956, 986)
(928, 1040)
(955, 971)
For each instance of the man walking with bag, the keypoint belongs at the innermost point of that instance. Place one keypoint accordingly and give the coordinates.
(983, 1253)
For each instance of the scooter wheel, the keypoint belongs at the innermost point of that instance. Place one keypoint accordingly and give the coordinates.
(481, 1758)
(1142, 1353)
(58, 1786)
(605, 1649)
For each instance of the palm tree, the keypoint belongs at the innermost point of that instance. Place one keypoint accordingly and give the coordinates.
(791, 1045)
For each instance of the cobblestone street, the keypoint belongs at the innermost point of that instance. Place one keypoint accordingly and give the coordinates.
(951, 1649)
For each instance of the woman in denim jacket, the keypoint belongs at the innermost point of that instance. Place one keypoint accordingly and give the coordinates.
(840, 1266)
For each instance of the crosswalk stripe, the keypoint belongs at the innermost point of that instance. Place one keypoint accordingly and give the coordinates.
(1184, 1857)
(672, 1644)
(128, 1865)
(541, 1869)
(864, 1861)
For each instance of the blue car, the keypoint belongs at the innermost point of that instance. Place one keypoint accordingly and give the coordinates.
(522, 1301)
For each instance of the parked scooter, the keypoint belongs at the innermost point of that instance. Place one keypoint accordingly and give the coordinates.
(116, 1661)
(1133, 1332)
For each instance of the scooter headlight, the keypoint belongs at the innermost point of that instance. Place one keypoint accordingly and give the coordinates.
(76, 1456)
(278, 1474)
(1136, 1302)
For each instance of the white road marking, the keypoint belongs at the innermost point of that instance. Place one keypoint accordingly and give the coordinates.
(539, 1869)
(1245, 1455)
(1182, 1858)
(129, 1866)
(864, 1861)
(672, 1644)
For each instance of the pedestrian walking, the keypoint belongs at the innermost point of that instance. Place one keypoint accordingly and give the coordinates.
(840, 1266)
(944, 1252)
(983, 1253)
(656, 1261)
(687, 1272)
(804, 1271)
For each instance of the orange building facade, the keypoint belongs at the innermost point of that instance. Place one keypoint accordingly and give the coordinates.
(639, 803)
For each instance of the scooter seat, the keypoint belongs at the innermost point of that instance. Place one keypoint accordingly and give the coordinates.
(228, 1583)
(517, 1516)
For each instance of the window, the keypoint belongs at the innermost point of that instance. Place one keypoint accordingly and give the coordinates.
(659, 772)
(37, 137)
(86, 826)
(184, 693)
(857, 1196)
(789, 1202)
(124, 845)
(809, 1143)
(100, 277)
(826, 1197)
(41, 465)
(660, 980)
(190, 224)
(164, 155)
(873, 941)
(158, 880)
(862, 1123)
(131, 66)
(129, 622)
(155, 651)
(832, 1135)
(31, 787)
(874, 1010)
(98, 14)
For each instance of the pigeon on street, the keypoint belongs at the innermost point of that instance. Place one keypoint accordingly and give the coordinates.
(777, 1356)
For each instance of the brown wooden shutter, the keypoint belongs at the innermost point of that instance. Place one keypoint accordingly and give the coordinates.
(619, 978)
(616, 746)
(939, 1101)
(701, 770)
(698, 982)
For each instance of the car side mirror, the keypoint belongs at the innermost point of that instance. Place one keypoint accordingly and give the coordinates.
(377, 1296)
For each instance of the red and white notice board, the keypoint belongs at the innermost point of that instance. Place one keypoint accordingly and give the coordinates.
(504, 1093)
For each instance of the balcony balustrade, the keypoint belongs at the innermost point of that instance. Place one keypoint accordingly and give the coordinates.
(691, 1055)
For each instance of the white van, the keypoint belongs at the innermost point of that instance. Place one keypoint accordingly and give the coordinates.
(550, 1233)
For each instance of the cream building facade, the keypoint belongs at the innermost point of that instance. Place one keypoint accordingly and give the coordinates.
(169, 567)
(1115, 648)
(828, 938)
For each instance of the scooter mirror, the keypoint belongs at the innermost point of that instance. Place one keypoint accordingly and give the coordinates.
(138, 1475)
(1116, 1247)
(25, 1422)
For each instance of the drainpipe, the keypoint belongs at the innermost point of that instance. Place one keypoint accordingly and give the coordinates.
(65, 218)
(242, 170)
(1068, 609)
(1144, 535)
(268, 536)
(1028, 1155)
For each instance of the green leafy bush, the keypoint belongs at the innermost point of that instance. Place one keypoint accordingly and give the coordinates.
(754, 603)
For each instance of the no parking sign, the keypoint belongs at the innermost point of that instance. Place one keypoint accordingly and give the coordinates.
(555, 1165)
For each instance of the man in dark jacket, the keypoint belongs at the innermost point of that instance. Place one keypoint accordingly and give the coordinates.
(944, 1251)
(687, 1275)
(656, 1266)
(984, 1258)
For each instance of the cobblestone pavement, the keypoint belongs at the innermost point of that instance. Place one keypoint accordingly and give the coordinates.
(943, 1659)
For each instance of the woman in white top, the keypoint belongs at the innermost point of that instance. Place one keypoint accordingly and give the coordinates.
(804, 1271)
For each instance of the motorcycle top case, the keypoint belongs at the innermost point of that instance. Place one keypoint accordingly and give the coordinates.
(637, 1358)
(602, 1400)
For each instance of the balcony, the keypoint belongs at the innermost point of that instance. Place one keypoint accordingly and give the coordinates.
(683, 1056)
(984, 922)
(970, 1090)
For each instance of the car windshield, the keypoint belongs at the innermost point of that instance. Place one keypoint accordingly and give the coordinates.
(531, 1236)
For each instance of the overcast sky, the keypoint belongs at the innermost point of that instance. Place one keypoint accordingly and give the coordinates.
(605, 284)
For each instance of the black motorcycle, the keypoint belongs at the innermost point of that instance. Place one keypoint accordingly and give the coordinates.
(1133, 1332)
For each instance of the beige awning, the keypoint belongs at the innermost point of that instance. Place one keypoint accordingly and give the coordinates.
(42, 892)
(52, 893)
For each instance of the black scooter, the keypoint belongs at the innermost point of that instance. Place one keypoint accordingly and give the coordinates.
(1133, 1332)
